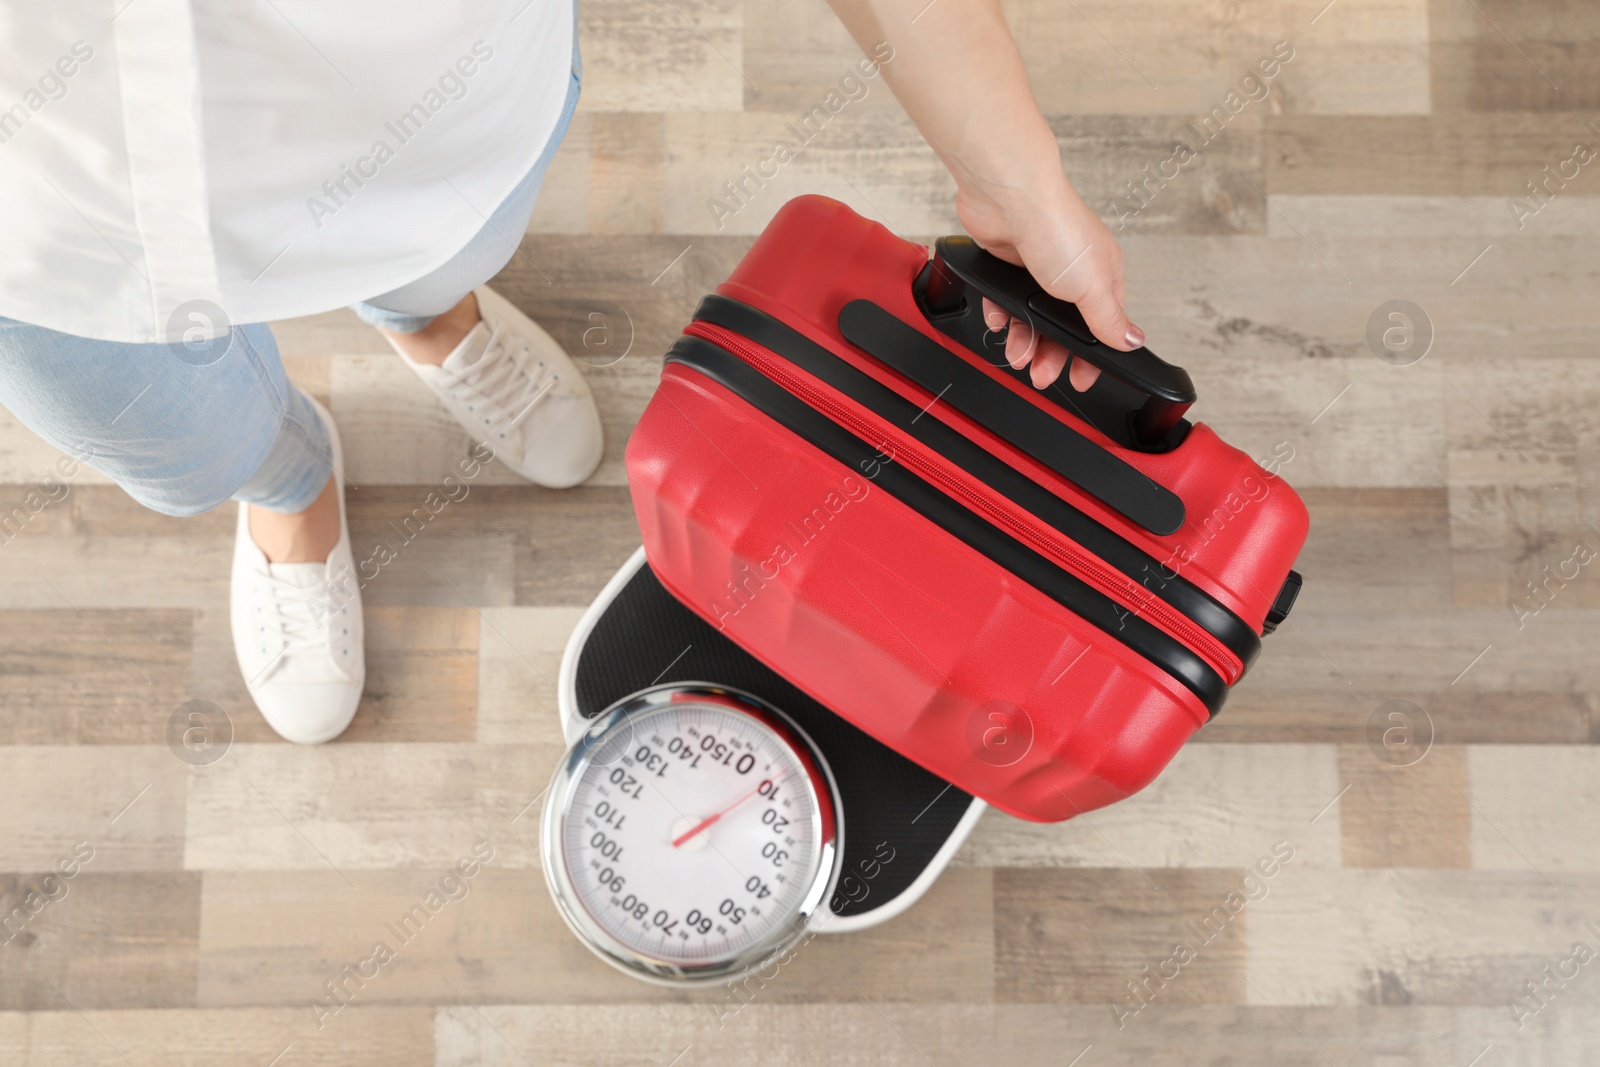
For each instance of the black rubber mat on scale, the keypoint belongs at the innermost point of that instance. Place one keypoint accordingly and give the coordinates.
(896, 815)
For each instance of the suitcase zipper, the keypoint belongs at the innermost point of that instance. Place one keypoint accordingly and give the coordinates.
(1112, 583)
(969, 457)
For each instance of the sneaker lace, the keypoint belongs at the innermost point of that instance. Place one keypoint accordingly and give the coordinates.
(300, 618)
(500, 388)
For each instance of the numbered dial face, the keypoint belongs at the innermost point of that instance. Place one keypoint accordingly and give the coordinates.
(689, 834)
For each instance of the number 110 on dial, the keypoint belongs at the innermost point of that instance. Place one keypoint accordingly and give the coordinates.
(690, 833)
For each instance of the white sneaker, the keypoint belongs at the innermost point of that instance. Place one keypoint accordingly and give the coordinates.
(297, 629)
(510, 384)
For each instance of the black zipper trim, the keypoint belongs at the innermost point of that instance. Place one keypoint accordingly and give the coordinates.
(1184, 596)
(1102, 474)
(1071, 592)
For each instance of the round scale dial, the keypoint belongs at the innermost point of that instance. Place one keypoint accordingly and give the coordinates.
(690, 833)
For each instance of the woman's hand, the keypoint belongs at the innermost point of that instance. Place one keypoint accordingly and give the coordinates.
(957, 71)
(1070, 252)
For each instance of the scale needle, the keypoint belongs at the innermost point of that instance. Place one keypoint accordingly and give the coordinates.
(708, 820)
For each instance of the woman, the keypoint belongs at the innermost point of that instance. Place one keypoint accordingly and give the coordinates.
(180, 172)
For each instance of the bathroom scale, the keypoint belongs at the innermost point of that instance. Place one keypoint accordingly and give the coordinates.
(708, 814)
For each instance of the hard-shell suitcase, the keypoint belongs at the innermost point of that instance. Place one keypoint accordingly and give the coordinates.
(1036, 595)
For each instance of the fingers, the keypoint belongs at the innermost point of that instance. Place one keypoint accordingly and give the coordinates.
(1082, 375)
(1024, 346)
(1021, 344)
(1048, 364)
(1072, 254)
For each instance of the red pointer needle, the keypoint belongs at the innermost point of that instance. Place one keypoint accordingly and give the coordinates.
(708, 820)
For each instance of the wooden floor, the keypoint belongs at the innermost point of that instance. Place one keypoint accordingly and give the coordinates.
(1430, 881)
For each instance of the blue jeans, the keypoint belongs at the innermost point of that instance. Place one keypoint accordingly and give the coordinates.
(184, 428)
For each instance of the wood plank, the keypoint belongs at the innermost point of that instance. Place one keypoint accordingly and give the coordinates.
(412, 543)
(359, 806)
(569, 555)
(1522, 492)
(111, 553)
(106, 512)
(500, 545)
(1101, 937)
(1292, 301)
(1438, 155)
(126, 802)
(1290, 373)
(1453, 31)
(497, 544)
(99, 677)
(1421, 936)
(1129, 170)
(1368, 548)
(625, 173)
(1509, 56)
(1355, 653)
(1027, 1035)
(941, 950)
(1269, 365)
(863, 1034)
(422, 676)
(1032, 1035)
(1368, 57)
(1405, 814)
(1215, 806)
(401, 1037)
(103, 940)
(641, 56)
(518, 660)
(271, 940)
(1265, 712)
(801, 55)
(1324, 216)
(1535, 809)
(873, 160)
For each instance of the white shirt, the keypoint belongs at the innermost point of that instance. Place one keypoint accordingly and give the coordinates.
(270, 158)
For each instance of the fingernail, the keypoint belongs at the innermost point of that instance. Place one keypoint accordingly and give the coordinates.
(995, 320)
(1135, 337)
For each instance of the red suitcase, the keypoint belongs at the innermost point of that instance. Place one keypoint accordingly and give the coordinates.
(1036, 595)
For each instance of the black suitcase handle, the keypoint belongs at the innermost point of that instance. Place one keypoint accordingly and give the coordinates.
(1156, 392)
